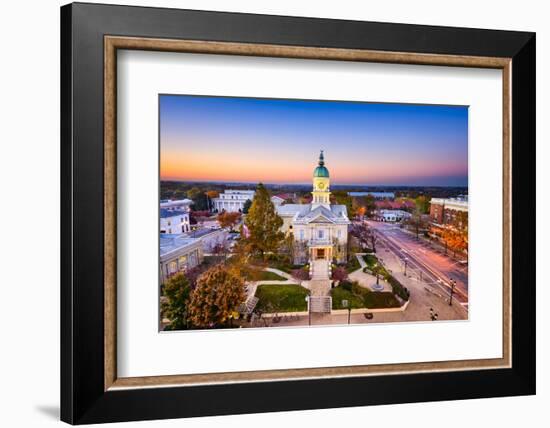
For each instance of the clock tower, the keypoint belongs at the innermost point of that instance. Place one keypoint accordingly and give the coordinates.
(321, 183)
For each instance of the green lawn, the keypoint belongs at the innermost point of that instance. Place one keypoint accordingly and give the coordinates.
(338, 294)
(270, 276)
(360, 297)
(281, 298)
(353, 264)
(371, 260)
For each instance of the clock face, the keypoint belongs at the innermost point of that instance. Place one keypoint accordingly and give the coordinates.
(321, 185)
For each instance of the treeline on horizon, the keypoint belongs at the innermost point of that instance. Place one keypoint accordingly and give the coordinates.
(198, 191)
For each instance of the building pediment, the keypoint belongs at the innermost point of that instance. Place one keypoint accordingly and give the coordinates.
(319, 217)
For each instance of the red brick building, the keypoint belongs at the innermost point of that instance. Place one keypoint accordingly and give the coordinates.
(452, 212)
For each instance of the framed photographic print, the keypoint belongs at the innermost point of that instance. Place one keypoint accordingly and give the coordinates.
(272, 213)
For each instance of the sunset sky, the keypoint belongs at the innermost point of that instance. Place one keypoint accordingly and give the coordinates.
(278, 141)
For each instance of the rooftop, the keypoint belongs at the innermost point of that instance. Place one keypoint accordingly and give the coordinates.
(166, 213)
(170, 203)
(305, 213)
(171, 242)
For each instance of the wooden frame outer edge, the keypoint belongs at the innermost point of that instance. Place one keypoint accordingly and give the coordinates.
(112, 43)
(110, 225)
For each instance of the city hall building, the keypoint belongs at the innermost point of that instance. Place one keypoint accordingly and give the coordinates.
(320, 229)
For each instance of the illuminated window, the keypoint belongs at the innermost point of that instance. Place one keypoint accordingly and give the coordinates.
(182, 262)
(172, 267)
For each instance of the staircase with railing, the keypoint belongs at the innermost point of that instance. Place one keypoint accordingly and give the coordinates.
(320, 304)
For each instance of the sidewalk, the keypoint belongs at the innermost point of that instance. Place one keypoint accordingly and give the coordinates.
(367, 280)
(421, 300)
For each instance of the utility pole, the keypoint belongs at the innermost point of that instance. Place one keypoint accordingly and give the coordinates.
(308, 308)
(453, 283)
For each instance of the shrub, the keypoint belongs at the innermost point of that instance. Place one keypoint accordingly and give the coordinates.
(357, 289)
(383, 299)
(353, 264)
(339, 274)
(301, 274)
(346, 285)
(398, 288)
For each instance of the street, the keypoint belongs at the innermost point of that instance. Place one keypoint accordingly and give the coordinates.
(422, 261)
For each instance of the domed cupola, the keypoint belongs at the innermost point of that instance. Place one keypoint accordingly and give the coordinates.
(321, 170)
(321, 184)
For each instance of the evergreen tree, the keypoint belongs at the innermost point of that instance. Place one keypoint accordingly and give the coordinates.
(199, 198)
(246, 206)
(263, 224)
(343, 198)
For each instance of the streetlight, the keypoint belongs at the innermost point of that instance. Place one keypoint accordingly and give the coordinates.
(376, 272)
(405, 259)
(453, 284)
(308, 309)
(345, 304)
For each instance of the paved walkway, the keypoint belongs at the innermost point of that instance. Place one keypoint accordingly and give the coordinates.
(320, 269)
(367, 280)
(280, 273)
(361, 260)
(318, 287)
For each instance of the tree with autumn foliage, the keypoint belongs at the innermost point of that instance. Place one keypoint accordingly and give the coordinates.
(455, 240)
(228, 219)
(176, 292)
(217, 296)
(262, 224)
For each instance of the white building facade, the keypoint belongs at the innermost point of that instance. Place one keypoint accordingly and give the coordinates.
(391, 215)
(320, 229)
(174, 216)
(232, 200)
